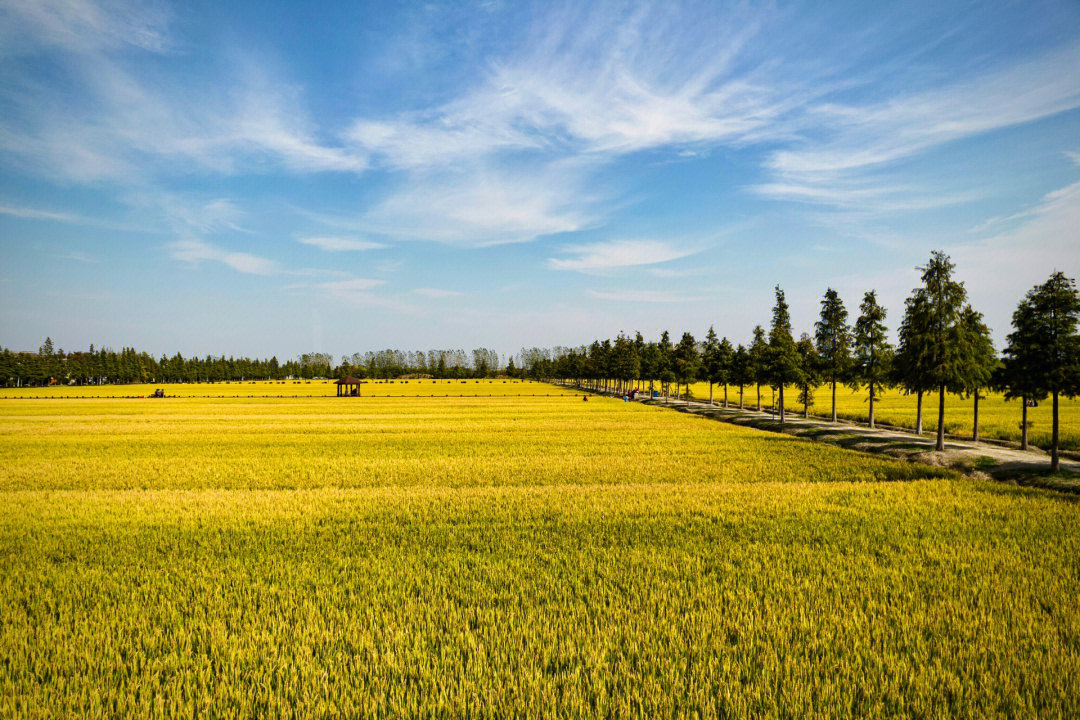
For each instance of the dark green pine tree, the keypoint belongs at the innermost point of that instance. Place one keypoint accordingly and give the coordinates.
(639, 350)
(910, 369)
(687, 361)
(872, 354)
(982, 359)
(650, 364)
(626, 365)
(1055, 368)
(666, 363)
(833, 342)
(1021, 358)
(784, 365)
(711, 366)
(727, 356)
(740, 371)
(811, 364)
(758, 361)
(938, 340)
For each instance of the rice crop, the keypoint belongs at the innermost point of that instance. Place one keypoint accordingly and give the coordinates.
(290, 388)
(504, 556)
(998, 418)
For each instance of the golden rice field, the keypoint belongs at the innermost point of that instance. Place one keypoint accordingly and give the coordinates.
(287, 388)
(998, 418)
(505, 556)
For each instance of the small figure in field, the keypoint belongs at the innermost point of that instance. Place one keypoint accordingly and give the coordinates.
(585, 398)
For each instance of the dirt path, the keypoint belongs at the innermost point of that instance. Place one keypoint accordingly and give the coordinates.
(1005, 463)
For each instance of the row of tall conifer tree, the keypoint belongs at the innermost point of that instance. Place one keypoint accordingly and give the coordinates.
(944, 346)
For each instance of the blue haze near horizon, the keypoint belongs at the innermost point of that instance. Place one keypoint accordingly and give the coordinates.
(276, 178)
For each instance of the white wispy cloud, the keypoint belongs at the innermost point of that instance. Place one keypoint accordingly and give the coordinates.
(358, 292)
(678, 273)
(271, 120)
(195, 252)
(77, 256)
(189, 214)
(123, 121)
(642, 296)
(351, 285)
(437, 293)
(31, 213)
(583, 87)
(436, 139)
(518, 151)
(36, 214)
(340, 244)
(595, 80)
(478, 207)
(847, 144)
(1010, 261)
(609, 255)
(1074, 156)
(83, 25)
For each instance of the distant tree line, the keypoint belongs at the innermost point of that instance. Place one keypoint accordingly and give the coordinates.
(51, 366)
(383, 364)
(944, 346)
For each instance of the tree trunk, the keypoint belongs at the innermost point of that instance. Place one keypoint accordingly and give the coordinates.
(940, 445)
(759, 397)
(741, 398)
(781, 403)
(1023, 425)
(918, 415)
(834, 400)
(710, 394)
(975, 426)
(1054, 438)
(806, 405)
(871, 405)
(725, 396)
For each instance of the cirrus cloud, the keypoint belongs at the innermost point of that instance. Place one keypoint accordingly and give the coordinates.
(613, 254)
(195, 252)
(339, 244)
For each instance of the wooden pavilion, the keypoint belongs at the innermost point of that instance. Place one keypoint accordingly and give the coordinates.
(348, 387)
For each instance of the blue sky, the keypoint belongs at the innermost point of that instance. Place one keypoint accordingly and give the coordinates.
(269, 178)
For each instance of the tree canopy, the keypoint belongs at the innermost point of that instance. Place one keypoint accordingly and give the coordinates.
(872, 353)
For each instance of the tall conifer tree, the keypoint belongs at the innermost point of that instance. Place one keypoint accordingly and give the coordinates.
(872, 352)
(1018, 374)
(937, 338)
(1051, 330)
(981, 360)
(785, 367)
(758, 361)
(833, 342)
(909, 367)
(711, 366)
(811, 365)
